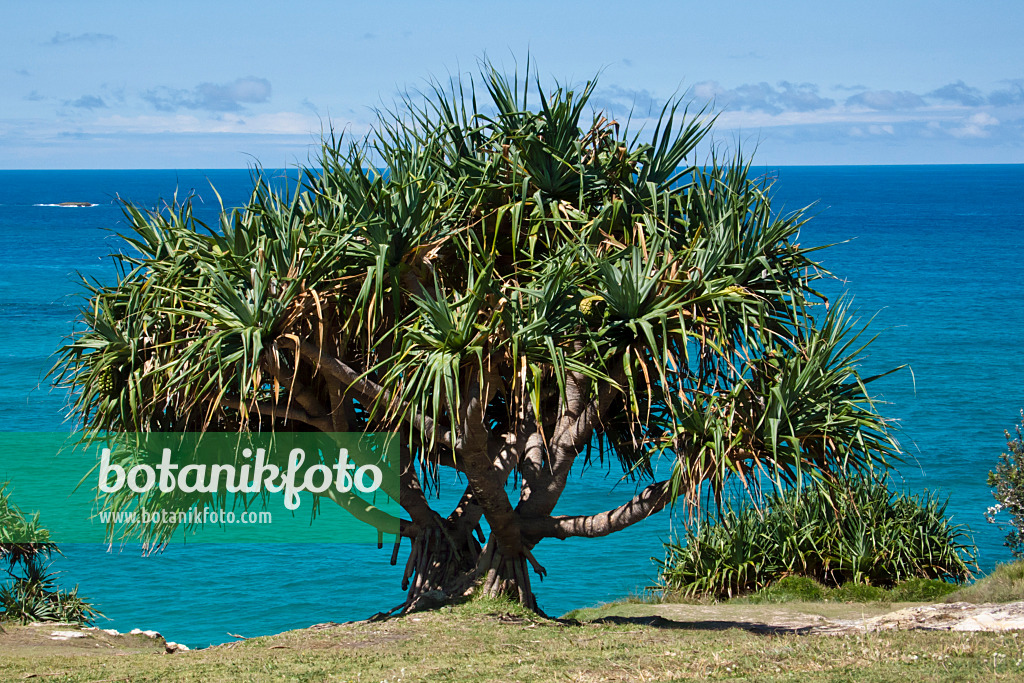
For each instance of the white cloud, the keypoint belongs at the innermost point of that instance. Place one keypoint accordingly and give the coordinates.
(874, 129)
(1009, 96)
(960, 93)
(279, 123)
(834, 115)
(975, 126)
(88, 38)
(226, 97)
(87, 102)
(886, 100)
(783, 97)
(801, 113)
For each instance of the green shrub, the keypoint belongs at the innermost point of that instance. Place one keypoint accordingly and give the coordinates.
(21, 537)
(29, 591)
(34, 595)
(858, 592)
(921, 590)
(1008, 481)
(806, 589)
(790, 589)
(864, 533)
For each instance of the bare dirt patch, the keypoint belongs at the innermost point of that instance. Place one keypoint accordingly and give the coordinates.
(824, 618)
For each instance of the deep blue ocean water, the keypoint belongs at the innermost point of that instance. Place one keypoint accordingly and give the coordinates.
(932, 252)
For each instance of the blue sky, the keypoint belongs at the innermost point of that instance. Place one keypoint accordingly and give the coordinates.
(219, 84)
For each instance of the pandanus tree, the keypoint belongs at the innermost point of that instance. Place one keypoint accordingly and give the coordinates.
(514, 286)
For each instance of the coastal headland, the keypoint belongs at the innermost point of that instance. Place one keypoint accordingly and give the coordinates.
(488, 640)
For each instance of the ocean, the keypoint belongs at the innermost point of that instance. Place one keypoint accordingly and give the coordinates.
(931, 255)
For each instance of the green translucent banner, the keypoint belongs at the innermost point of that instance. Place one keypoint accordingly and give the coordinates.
(155, 488)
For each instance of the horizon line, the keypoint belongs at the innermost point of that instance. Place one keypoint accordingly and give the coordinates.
(289, 168)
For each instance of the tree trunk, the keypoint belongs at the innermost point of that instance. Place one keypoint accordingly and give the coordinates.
(446, 565)
(441, 567)
(506, 575)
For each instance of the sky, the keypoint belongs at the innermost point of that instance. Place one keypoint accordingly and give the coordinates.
(226, 84)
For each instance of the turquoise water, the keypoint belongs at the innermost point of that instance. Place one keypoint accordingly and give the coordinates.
(932, 252)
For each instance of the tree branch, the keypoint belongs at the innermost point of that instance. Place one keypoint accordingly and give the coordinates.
(339, 411)
(649, 501)
(485, 468)
(277, 412)
(412, 498)
(365, 389)
(297, 390)
(574, 430)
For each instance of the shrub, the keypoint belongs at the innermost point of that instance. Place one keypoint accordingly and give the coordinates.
(864, 533)
(1008, 482)
(806, 589)
(921, 590)
(29, 592)
(858, 592)
(790, 589)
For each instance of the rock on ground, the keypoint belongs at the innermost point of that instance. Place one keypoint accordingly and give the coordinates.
(956, 616)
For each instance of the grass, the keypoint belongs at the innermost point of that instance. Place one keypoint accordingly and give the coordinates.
(1004, 584)
(634, 640)
(495, 641)
(805, 589)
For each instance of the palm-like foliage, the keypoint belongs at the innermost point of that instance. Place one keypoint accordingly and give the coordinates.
(865, 533)
(22, 540)
(29, 591)
(522, 286)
